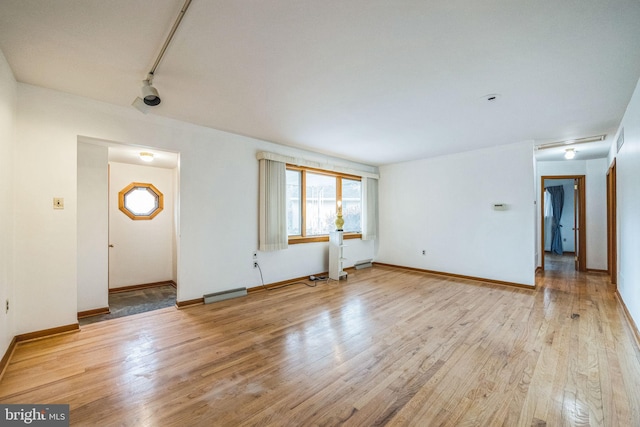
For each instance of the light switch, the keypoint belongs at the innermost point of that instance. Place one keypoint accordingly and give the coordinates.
(58, 203)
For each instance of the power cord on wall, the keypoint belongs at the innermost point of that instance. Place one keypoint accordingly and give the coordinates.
(280, 287)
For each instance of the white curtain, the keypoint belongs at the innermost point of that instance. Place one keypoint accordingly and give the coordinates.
(369, 209)
(273, 206)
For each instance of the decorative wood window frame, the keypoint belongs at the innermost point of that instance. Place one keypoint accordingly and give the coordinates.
(136, 185)
(303, 206)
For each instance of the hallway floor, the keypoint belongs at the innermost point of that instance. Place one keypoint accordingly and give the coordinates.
(137, 301)
(555, 262)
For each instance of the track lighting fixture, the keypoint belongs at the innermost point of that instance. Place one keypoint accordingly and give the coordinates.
(150, 94)
(566, 142)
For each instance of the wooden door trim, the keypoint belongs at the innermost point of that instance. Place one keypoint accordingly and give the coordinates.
(576, 225)
(582, 232)
(612, 225)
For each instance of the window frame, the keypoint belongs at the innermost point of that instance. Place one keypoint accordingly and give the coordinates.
(151, 188)
(302, 238)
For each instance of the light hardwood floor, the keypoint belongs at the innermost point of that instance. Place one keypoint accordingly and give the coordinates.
(386, 347)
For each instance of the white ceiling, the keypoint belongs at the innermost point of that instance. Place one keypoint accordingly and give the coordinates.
(131, 155)
(375, 81)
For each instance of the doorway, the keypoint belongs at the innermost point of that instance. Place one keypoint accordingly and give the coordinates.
(133, 280)
(141, 237)
(563, 225)
(142, 253)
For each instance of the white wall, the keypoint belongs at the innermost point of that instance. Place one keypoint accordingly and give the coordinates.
(568, 237)
(143, 250)
(595, 172)
(444, 206)
(628, 203)
(8, 107)
(93, 226)
(218, 221)
(596, 206)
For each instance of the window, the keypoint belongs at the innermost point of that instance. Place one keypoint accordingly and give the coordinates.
(294, 195)
(352, 205)
(320, 200)
(312, 204)
(140, 201)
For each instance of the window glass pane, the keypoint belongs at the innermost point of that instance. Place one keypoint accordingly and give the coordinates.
(321, 204)
(141, 201)
(352, 205)
(294, 213)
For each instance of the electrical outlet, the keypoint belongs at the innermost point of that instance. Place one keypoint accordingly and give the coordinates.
(255, 264)
(424, 252)
(255, 255)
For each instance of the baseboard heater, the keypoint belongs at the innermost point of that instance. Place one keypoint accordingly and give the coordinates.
(221, 296)
(363, 264)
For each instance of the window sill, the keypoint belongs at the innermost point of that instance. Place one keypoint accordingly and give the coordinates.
(294, 240)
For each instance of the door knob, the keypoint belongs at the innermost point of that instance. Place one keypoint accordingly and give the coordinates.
(110, 246)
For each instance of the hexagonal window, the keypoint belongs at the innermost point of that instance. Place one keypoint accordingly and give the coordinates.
(140, 201)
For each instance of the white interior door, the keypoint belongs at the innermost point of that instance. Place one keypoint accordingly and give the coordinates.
(93, 226)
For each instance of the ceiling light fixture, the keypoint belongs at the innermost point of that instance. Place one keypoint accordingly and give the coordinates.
(569, 153)
(145, 156)
(150, 96)
(556, 144)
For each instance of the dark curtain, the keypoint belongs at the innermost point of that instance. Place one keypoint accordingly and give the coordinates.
(557, 202)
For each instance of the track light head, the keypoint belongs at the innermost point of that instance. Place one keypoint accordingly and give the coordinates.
(150, 94)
